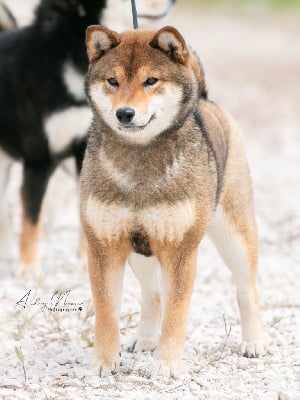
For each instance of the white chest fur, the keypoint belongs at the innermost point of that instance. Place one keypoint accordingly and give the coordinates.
(63, 127)
(74, 81)
(162, 222)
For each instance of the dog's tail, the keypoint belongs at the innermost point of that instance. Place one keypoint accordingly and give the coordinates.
(7, 20)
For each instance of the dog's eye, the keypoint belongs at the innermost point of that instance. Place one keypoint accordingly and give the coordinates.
(113, 82)
(150, 81)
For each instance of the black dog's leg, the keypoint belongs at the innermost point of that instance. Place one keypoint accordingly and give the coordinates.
(6, 231)
(79, 147)
(79, 151)
(35, 180)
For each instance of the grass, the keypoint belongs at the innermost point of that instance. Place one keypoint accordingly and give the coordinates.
(20, 357)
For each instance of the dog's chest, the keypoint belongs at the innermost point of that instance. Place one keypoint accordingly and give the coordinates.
(62, 127)
(74, 81)
(161, 222)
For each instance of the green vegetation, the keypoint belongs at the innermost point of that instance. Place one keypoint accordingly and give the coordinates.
(20, 357)
(282, 4)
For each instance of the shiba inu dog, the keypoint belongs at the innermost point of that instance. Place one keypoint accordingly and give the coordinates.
(163, 167)
(44, 116)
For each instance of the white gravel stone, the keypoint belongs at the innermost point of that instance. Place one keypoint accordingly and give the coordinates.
(270, 396)
(283, 396)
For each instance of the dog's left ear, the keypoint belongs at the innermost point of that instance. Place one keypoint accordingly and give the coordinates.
(100, 40)
(170, 41)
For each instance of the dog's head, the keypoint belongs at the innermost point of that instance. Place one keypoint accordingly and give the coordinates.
(142, 83)
(110, 13)
(79, 13)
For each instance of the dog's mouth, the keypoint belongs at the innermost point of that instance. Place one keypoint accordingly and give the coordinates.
(133, 128)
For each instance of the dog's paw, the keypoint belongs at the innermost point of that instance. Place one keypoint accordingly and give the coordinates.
(32, 269)
(142, 343)
(254, 348)
(105, 368)
(168, 369)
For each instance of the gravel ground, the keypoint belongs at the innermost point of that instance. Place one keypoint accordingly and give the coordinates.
(252, 63)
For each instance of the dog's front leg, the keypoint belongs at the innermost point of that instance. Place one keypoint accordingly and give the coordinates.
(35, 181)
(178, 267)
(106, 270)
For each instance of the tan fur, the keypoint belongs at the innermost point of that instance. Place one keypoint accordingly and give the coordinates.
(155, 185)
(29, 239)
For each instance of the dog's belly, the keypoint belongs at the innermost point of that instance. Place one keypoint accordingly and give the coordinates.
(162, 222)
(63, 127)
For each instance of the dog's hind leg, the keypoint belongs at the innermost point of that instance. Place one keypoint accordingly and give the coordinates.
(147, 271)
(35, 180)
(234, 233)
(6, 233)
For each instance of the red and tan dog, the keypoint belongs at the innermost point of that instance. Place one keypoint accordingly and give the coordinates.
(163, 167)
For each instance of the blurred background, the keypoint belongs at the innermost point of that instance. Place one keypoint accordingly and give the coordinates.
(242, 3)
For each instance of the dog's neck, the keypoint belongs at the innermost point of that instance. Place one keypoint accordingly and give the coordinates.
(113, 143)
(142, 175)
(162, 150)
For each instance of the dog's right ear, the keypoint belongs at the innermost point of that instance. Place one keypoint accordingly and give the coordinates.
(99, 40)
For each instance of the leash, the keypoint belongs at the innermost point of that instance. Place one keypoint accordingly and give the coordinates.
(134, 15)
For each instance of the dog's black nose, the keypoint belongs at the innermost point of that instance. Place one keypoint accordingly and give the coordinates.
(125, 114)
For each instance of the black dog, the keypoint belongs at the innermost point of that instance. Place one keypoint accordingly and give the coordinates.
(44, 117)
(7, 20)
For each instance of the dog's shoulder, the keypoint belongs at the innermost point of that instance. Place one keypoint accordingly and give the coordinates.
(218, 126)
(214, 126)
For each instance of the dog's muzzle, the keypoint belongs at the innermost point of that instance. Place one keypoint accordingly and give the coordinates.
(125, 115)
